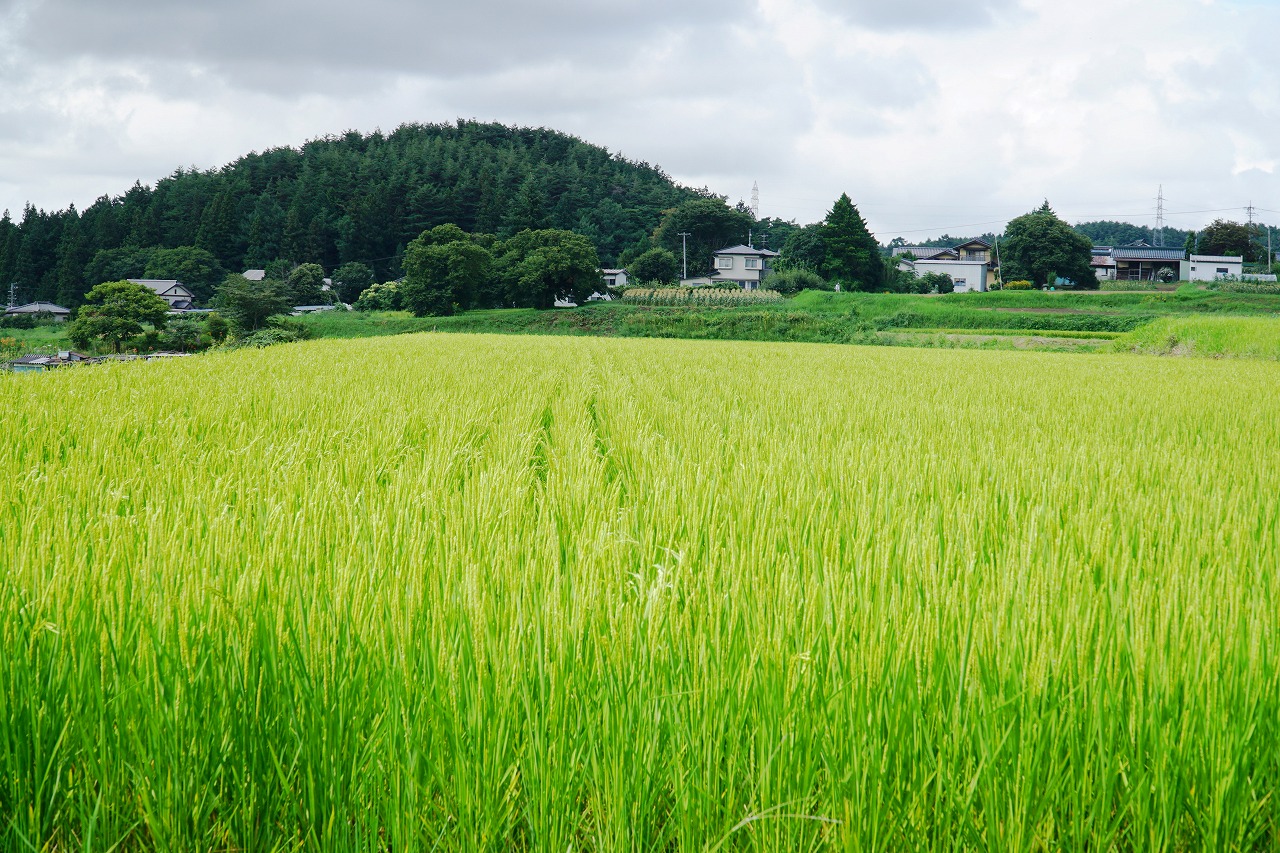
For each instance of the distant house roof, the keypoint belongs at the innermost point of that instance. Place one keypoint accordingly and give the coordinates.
(926, 253)
(1145, 253)
(1219, 259)
(255, 275)
(63, 357)
(746, 250)
(611, 271)
(977, 241)
(165, 287)
(39, 308)
(1102, 261)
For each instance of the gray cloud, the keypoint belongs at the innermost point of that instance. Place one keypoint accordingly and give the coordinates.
(921, 15)
(252, 43)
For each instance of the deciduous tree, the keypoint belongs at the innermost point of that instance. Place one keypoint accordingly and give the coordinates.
(710, 223)
(656, 265)
(538, 267)
(248, 304)
(351, 279)
(445, 270)
(1039, 245)
(1222, 237)
(116, 311)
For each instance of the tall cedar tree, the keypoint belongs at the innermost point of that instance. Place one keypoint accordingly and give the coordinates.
(852, 253)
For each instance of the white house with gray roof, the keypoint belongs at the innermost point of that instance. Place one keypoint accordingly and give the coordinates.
(745, 266)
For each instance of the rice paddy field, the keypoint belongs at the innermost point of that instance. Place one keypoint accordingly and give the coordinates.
(464, 593)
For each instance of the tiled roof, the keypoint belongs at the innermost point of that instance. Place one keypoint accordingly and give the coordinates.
(1142, 253)
(39, 308)
(1219, 259)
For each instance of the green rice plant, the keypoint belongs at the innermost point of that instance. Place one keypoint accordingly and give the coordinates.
(456, 592)
(1234, 337)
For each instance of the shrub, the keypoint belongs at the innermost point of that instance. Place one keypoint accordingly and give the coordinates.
(792, 281)
(1019, 284)
(379, 297)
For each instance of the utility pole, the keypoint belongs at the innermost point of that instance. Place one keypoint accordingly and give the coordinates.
(684, 254)
(13, 294)
(1160, 218)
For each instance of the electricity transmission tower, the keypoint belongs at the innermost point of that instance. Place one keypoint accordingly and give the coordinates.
(1160, 217)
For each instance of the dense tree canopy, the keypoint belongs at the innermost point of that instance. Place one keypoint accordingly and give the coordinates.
(1038, 246)
(248, 304)
(1222, 237)
(710, 223)
(804, 249)
(536, 268)
(115, 311)
(352, 198)
(445, 270)
(654, 266)
(1110, 233)
(852, 254)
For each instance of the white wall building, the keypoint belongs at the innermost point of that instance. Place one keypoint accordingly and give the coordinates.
(1213, 267)
(968, 276)
(745, 266)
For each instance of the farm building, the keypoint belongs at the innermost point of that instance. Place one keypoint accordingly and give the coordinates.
(1214, 267)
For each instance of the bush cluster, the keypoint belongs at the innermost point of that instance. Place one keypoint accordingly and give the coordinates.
(1020, 284)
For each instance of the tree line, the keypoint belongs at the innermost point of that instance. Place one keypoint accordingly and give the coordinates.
(353, 198)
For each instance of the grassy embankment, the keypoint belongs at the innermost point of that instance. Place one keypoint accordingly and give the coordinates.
(503, 593)
(992, 320)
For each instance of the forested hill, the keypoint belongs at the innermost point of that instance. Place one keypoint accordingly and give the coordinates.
(350, 198)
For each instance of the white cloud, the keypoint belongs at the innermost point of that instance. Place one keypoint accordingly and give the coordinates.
(930, 114)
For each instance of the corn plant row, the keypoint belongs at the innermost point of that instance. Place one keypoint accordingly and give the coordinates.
(449, 592)
(699, 296)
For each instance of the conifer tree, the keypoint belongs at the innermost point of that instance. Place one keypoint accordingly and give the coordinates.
(852, 253)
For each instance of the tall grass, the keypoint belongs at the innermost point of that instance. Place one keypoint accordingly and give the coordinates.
(501, 593)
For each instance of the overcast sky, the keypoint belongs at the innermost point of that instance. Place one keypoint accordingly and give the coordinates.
(934, 115)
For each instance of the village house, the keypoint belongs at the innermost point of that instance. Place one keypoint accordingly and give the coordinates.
(56, 312)
(971, 265)
(743, 266)
(171, 291)
(35, 363)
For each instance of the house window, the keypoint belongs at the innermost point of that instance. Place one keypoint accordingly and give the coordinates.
(752, 263)
(724, 263)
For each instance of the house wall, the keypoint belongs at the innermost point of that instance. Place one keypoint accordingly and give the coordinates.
(1203, 269)
(738, 271)
(972, 273)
